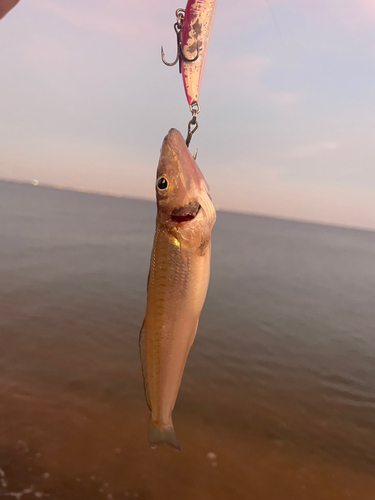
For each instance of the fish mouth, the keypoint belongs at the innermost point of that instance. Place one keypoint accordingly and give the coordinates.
(185, 213)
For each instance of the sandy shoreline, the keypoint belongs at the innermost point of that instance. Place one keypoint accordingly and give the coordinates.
(70, 447)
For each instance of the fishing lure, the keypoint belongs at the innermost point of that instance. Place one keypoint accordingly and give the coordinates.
(193, 28)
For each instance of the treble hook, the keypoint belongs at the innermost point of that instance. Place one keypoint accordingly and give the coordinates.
(180, 55)
(177, 28)
(185, 58)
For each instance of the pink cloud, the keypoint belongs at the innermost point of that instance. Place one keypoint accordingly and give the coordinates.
(246, 71)
(343, 15)
(126, 20)
(147, 21)
(47, 52)
(269, 194)
(368, 6)
(239, 18)
(284, 98)
(314, 149)
(243, 76)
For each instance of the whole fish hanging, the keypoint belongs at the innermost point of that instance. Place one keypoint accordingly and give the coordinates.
(177, 282)
(193, 28)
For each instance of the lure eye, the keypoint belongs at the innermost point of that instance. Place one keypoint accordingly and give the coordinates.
(162, 183)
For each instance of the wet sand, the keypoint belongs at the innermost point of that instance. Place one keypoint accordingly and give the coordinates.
(90, 443)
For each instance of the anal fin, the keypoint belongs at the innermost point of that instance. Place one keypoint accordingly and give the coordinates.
(143, 362)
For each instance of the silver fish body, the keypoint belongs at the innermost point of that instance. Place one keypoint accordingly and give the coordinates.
(178, 281)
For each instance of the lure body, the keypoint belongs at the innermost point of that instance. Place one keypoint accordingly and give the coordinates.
(178, 281)
(195, 35)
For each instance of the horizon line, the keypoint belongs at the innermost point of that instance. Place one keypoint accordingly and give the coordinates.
(35, 183)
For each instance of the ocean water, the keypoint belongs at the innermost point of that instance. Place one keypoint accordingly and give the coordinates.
(278, 396)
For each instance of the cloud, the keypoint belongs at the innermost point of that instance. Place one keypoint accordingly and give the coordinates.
(368, 7)
(267, 193)
(245, 71)
(48, 52)
(241, 77)
(233, 23)
(314, 149)
(124, 20)
(284, 98)
(344, 15)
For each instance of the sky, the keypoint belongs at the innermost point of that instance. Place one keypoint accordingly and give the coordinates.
(287, 100)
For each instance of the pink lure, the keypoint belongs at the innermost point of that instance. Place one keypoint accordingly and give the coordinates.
(195, 35)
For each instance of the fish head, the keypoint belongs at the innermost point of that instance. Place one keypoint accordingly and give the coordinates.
(182, 192)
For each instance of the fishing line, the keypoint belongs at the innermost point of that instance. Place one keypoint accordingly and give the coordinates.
(274, 20)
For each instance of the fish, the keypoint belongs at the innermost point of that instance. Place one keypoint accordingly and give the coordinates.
(195, 35)
(177, 283)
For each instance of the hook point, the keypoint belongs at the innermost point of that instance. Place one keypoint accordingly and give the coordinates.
(167, 63)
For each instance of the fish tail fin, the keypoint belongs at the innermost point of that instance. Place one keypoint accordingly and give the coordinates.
(162, 435)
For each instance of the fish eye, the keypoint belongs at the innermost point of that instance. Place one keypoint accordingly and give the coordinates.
(162, 183)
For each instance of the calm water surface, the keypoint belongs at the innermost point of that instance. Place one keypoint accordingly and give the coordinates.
(278, 396)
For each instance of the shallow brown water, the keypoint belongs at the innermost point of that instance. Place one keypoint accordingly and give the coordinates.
(278, 398)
